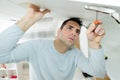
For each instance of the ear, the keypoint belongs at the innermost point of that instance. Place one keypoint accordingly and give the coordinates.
(59, 31)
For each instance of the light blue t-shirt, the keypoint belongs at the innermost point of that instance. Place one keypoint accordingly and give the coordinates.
(46, 63)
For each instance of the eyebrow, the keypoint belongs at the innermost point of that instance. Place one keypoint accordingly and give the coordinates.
(72, 26)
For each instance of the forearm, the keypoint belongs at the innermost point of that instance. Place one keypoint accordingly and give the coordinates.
(33, 15)
(25, 23)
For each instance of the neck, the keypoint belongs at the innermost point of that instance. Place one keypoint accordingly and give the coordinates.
(60, 46)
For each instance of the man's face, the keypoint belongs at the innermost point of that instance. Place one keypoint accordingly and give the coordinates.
(69, 35)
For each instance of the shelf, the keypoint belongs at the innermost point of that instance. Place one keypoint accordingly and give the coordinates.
(9, 69)
(8, 72)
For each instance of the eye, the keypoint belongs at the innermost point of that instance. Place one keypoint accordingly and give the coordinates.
(78, 31)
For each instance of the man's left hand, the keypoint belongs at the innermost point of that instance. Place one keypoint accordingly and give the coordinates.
(95, 33)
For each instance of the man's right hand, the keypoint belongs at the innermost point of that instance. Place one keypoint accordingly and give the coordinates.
(33, 15)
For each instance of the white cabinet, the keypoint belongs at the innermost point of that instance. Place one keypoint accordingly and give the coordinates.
(8, 71)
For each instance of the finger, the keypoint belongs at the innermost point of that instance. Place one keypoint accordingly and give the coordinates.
(91, 28)
(34, 7)
(98, 28)
(101, 32)
(45, 11)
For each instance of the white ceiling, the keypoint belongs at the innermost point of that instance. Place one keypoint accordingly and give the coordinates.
(62, 9)
(59, 8)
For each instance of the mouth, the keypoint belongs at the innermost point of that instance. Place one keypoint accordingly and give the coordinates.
(71, 39)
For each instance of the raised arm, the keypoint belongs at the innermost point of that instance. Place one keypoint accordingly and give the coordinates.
(33, 15)
(95, 63)
(10, 36)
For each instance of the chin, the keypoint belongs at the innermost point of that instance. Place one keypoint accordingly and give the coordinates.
(70, 45)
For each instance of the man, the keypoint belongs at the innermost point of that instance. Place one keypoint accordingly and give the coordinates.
(53, 60)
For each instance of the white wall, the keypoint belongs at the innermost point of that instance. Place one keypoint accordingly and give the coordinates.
(111, 45)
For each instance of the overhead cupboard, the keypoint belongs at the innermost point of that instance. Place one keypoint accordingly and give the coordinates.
(8, 71)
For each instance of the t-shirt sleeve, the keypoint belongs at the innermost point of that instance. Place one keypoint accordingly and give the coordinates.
(9, 38)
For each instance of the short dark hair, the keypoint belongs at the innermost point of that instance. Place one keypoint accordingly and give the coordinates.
(75, 19)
